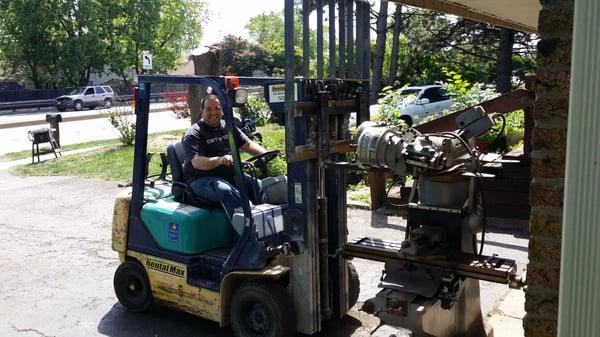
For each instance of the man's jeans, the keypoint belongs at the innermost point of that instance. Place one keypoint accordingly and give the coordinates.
(222, 192)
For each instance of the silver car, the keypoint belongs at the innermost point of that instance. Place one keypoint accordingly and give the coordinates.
(86, 97)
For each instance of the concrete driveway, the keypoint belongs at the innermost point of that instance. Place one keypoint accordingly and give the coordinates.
(57, 265)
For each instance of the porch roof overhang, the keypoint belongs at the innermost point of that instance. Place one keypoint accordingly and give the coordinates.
(521, 15)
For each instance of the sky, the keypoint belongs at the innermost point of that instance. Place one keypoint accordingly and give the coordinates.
(230, 16)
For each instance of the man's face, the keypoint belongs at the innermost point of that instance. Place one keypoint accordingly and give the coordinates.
(212, 112)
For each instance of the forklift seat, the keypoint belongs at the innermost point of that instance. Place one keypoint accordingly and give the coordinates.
(180, 190)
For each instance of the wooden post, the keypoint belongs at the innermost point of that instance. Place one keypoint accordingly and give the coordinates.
(377, 186)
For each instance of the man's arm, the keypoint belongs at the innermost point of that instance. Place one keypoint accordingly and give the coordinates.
(253, 148)
(209, 163)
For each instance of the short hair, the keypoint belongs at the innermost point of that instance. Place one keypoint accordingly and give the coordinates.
(209, 96)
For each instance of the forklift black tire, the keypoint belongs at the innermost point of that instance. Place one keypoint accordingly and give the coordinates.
(262, 308)
(353, 285)
(132, 286)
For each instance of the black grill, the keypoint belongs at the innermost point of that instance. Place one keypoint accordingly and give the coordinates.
(39, 136)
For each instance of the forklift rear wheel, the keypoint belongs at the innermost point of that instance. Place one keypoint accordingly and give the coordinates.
(262, 309)
(132, 286)
(353, 285)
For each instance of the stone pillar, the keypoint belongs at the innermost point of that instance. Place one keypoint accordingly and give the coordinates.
(548, 167)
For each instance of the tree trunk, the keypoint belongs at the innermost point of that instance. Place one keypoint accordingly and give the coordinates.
(504, 63)
(35, 76)
(395, 45)
(126, 82)
(208, 64)
(379, 50)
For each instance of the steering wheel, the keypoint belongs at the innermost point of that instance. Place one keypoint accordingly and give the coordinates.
(264, 157)
(260, 161)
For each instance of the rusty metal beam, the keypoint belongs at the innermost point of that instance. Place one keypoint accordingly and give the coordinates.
(493, 269)
(506, 103)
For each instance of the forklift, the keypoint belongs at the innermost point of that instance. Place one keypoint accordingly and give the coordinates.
(273, 269)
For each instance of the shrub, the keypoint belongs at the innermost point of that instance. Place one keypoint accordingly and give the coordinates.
(178, 102)
(391, 104)
(256, 109)
(465, 94)
(122, 119)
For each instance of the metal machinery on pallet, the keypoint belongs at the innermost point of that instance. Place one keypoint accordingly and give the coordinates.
(430, 281)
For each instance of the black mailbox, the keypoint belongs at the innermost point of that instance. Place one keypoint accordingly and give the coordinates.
(53, 118)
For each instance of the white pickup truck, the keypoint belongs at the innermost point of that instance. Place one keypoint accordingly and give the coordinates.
(422, 103)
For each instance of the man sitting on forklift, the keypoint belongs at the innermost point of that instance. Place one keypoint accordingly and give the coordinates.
(208, 166)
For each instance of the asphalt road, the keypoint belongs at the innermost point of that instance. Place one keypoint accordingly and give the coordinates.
(15, 138)
(57, 266)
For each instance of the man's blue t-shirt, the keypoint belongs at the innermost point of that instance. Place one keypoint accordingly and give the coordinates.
(203, 140)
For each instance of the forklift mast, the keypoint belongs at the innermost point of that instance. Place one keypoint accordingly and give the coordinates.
(317, 114)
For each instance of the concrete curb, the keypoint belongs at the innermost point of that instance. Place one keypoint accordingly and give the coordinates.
(79, 117)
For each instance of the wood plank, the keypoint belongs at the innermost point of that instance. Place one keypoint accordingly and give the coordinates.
(509, 102)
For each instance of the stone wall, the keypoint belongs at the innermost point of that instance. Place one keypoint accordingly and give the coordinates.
(548, 167)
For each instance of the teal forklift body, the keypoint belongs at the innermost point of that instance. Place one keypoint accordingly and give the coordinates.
(187, 229)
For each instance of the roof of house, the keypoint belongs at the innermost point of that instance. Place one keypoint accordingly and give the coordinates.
(521, 15)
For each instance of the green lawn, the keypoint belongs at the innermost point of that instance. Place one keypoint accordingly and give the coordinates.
(46, 149)
(115, 161)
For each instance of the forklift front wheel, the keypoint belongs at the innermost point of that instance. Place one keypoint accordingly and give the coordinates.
(353, 285)
(262, 309)
(132, 286)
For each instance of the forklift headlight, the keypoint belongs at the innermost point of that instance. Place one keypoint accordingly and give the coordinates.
(240, 96)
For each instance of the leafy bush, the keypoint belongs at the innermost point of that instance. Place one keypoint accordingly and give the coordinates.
(465, 94)
(391, 104)
(122, 119)
(178, 102)
(256, 109)
(274, 138)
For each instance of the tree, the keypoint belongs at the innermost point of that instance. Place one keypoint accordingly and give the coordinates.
(243, 57)
(379, 50)
(395, 45)
(431, 42)
(28, 43)
(504, 64)
(268, 30)
(165, 28)
(64, 41)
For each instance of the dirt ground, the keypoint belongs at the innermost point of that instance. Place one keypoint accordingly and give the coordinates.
(57, 265)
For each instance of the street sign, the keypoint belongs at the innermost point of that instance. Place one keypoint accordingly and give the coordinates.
(146, 60)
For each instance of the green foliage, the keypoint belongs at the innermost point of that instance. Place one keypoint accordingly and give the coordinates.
(267, 29)
(391, 104)
(256, 109)
(243, 56)
(513, 131)
(274, 138)
(61, 42)
(431, 42)
(121, 118)
(465, 94)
